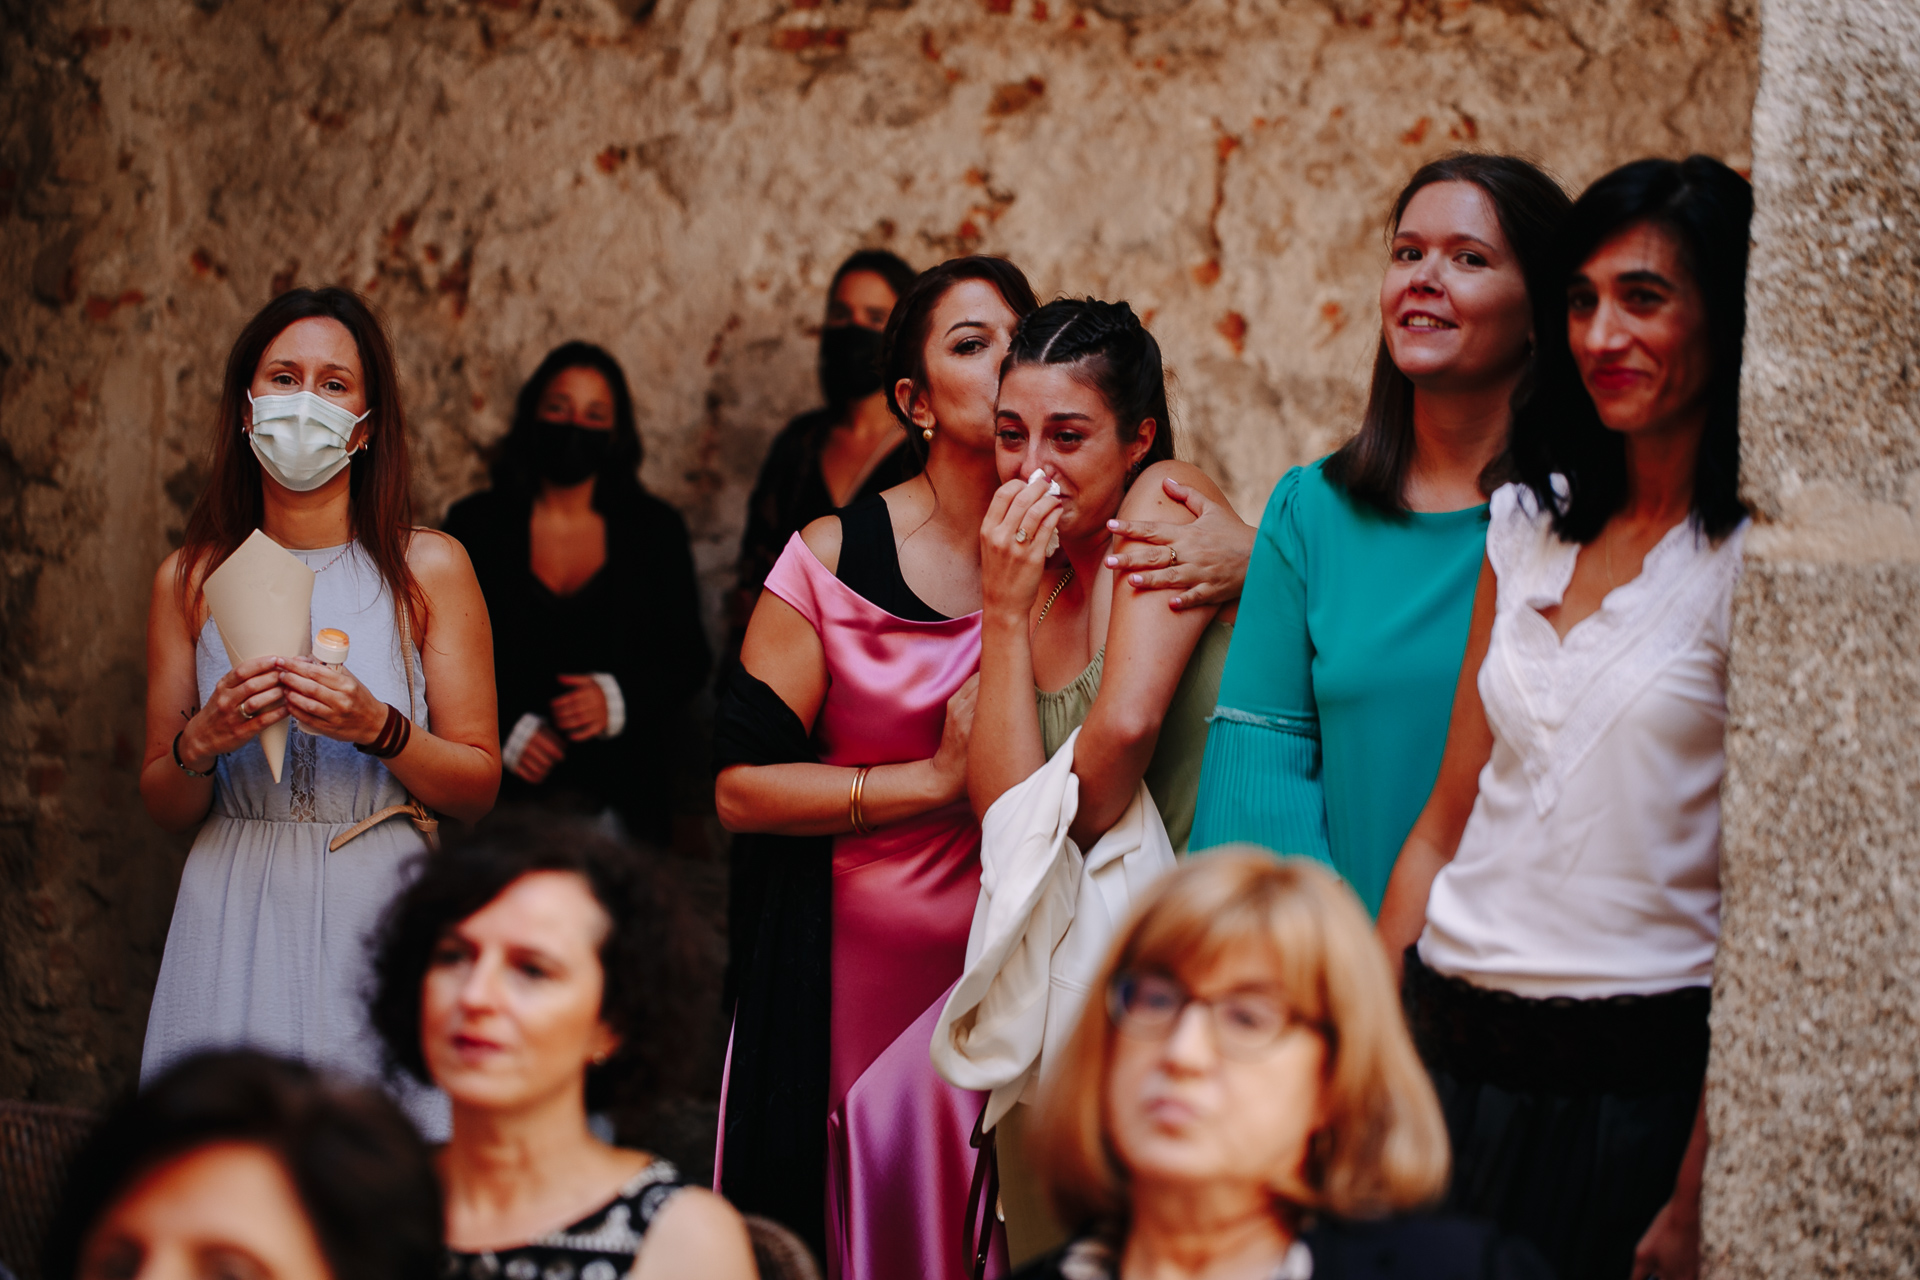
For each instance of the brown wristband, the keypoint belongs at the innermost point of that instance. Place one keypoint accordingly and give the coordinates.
(393, 736)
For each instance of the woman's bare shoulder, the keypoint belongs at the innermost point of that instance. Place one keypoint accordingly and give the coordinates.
(168, 574)
(697, 1232)
(166, 585)
(1147, 497)
(437, 558)
(823, 539)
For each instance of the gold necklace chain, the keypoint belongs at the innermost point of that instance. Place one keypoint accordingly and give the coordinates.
(1060, 586)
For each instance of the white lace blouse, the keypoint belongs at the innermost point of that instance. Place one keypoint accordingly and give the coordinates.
(1591, 863)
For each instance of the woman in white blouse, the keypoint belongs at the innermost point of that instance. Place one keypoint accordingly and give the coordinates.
(1557, 903)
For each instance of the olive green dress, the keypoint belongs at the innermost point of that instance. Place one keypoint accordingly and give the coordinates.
(1173, 775)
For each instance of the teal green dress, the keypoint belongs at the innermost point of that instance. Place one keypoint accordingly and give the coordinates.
(1339, 684)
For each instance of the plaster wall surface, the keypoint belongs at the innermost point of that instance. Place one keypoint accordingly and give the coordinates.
(1814, 1106)
(676, 182)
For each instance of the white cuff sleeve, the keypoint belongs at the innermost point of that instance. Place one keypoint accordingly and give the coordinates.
(523, 731)
(616, 705)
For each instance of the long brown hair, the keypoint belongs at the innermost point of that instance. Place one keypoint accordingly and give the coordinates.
(380, 483)
(1372, 466)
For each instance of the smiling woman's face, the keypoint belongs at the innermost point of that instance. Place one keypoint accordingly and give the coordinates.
(226, 1211)
(510, 1007)
(1453, 304)
(1637, 324)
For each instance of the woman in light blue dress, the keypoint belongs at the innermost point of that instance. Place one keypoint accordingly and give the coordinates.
(1334, 703)
(287, 879)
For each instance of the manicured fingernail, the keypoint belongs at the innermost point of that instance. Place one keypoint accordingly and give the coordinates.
(1134, 579)
(1113, 524)
(1113, 562)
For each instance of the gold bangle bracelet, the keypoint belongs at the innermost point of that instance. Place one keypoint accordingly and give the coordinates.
(854, 795)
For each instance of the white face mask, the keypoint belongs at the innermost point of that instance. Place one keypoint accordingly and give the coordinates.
(301, 439)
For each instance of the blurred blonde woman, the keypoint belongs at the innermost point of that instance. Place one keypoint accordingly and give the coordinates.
(1244, 1101)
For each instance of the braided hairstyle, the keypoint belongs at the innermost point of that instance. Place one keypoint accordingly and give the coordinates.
(1108, 349)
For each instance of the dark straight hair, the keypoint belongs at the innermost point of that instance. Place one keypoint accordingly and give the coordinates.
(513, 468)
(380, 483)
(1707, 208)
(1372, 466)
(1104, 345)
(905, 346)
(890, 267)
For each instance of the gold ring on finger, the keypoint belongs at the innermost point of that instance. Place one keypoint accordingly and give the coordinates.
(1173, 557)
(245, 714)
(1020, 535)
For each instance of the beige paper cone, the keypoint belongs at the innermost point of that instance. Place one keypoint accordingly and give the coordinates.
(262, 601)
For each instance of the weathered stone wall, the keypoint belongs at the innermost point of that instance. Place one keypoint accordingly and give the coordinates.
(1813, 1098)
(678, 185)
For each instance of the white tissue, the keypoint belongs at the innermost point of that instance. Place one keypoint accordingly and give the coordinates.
(1053, 487)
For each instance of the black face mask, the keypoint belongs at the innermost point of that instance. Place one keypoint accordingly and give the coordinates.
(849, 364)
(567, 454)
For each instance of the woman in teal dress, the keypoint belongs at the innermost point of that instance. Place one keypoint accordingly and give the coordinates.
(1339, 683)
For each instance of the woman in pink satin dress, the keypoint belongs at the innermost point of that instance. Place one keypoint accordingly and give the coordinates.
(869, 630)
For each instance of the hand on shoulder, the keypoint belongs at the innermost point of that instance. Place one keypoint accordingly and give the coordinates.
(1149, 499)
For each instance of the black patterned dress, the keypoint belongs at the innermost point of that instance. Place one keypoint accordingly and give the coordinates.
(601, 1246)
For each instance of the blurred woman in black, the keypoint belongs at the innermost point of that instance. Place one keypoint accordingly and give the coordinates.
(828, 457)
(589, 580)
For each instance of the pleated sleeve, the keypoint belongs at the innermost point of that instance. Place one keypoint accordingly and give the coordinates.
(1260, 781)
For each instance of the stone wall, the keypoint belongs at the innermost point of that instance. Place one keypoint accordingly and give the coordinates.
(678, 183)
(1814, 1103)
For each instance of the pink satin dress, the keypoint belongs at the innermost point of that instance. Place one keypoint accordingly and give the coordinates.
(899, 1160)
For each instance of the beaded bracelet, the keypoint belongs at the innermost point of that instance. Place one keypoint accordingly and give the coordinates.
(191, 773)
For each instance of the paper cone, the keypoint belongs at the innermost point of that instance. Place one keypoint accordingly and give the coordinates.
(262, 601)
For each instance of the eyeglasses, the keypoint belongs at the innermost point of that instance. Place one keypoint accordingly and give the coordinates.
(1245, 1023)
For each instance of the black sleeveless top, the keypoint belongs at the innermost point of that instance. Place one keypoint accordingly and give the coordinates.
(601, 1246)
(870, 562)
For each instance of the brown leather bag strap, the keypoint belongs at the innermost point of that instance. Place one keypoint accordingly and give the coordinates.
(423, 821)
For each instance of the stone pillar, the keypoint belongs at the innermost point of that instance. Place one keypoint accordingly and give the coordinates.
(1813, 1104)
